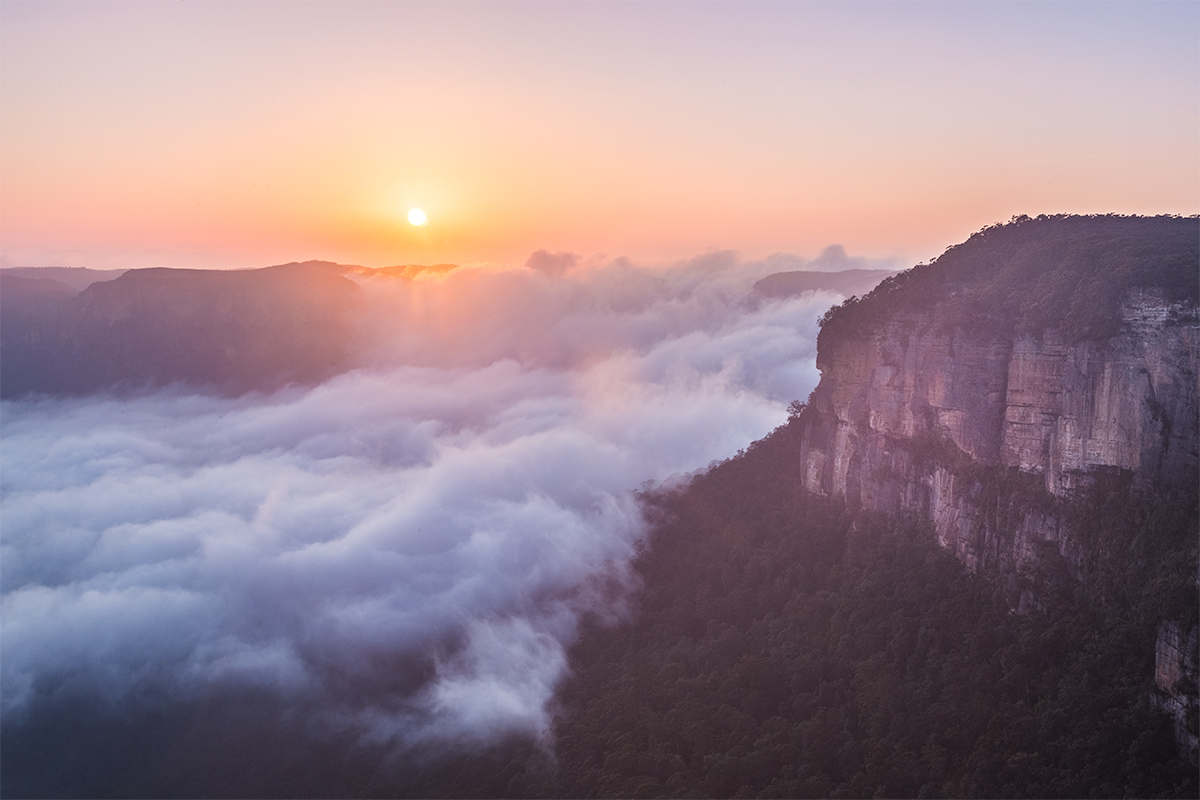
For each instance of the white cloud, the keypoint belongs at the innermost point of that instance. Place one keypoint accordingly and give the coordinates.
(456, 506)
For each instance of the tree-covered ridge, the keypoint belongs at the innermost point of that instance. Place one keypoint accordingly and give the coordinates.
(1031, 274)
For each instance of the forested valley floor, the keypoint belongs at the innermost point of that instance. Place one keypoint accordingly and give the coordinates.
(785, 647)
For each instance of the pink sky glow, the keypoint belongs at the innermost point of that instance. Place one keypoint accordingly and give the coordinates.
(245, 134)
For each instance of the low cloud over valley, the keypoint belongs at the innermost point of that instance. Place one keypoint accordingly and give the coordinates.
(407, 549)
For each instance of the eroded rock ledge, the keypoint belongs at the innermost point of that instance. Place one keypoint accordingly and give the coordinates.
(906, 415)
(1030, 394)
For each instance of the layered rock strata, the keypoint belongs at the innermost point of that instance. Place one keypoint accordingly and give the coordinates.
(1176, 673)
(988, 436)
(907, 413)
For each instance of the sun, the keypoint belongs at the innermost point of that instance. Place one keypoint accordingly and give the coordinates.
(417, 217)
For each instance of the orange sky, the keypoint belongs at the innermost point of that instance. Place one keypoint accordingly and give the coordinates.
(233, 135)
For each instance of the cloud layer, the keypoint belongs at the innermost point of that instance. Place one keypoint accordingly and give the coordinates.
(409, 547)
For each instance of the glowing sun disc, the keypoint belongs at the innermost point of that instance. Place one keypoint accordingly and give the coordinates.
(417, 217)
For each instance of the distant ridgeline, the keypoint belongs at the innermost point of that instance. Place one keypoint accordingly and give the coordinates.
(234, 330)
(849, 282)
(74, 331)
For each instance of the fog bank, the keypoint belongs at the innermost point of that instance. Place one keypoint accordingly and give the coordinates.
(409, 547)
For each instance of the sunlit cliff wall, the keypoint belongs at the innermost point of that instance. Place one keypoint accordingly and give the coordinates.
(990, 391)
(905, 414)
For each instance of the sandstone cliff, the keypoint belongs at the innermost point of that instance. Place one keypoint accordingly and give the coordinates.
(1037, 354)
(906, 413)
(1176, 672)
(990, 391)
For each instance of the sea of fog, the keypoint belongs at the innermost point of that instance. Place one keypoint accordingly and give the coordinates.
(408, 548)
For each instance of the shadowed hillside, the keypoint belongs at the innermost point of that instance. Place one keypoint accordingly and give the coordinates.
(78, 278)
(234, 331)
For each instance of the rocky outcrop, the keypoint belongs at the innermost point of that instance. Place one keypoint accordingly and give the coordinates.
(1176, 673)
(906, 413)
(1128, 403)
(1008, 417)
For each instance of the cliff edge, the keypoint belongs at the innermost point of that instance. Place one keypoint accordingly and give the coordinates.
(1010, 388)
(1058, 347)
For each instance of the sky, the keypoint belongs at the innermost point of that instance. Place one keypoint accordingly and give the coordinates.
(229, 135)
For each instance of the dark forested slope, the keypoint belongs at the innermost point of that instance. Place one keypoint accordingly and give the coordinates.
(787, 648)
(1065, 272)
(784, 646)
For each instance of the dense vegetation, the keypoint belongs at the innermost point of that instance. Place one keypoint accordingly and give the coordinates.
(1030, 274)
(786, 648)
(783, 650)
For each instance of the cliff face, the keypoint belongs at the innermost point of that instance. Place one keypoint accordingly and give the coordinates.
(1129, 402)
(1176, 671)
(1033, 395)
(906, 413)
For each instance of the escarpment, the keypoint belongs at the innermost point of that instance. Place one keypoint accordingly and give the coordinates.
(1025, 361)
(907, 414)
(1032, 394)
